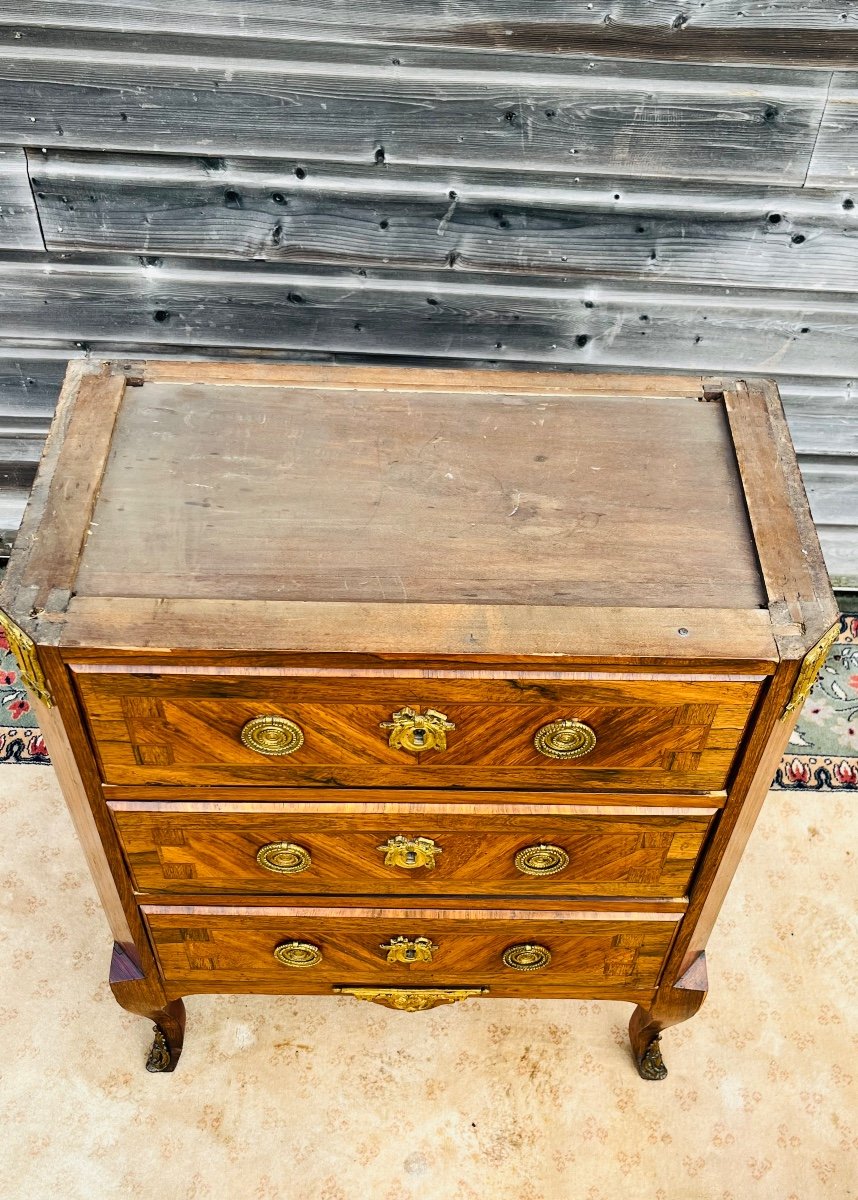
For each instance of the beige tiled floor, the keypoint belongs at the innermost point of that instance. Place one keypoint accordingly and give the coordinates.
(329, 1099)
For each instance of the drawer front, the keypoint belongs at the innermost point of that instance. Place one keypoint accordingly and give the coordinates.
(595, 954)
(397, 850)
(675, 735)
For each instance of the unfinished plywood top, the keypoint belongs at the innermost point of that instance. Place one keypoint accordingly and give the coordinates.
(427, 497)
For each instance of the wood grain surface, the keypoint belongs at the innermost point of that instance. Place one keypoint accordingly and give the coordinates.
(677, 151)
(793, 31)
(348, 101)
(623, 852)
(400, 802)
(219, 949)
(834, 154)
(467, 220)
(19, 222)
(820, 412)
(121, 306)
(422, 498)
(73, 490)
(675, 736)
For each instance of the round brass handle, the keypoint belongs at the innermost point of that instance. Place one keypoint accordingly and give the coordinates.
(564, 739)
(283, 858)
(543, 859)
(298, 954)
(527, 957)
(272, 736)
(416, 732)
(402, 851)
(409, 950)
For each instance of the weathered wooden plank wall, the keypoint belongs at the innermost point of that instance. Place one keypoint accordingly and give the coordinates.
(184, 302)
(619, 186)
(409, 216)
(819, 32)
(353, 104)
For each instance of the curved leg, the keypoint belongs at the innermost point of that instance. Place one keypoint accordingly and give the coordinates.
(671, 1006)
(137, 994)
(169, 1029)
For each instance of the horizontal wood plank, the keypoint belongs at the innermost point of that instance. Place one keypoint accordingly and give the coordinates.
(183, 304)
(427, 217)
(822, 416)
(271, 801)
(840, 547)
(354, 104)
(427, 631)
(30, 383)
(792, 31)
(832, 488)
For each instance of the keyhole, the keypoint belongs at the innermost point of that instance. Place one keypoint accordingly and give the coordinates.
(410, 952)
(411, 856)
(419, 736)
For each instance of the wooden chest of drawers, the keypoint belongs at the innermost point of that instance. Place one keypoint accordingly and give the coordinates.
(414, 685)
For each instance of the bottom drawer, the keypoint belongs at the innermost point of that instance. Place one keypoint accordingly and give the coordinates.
(314, 950)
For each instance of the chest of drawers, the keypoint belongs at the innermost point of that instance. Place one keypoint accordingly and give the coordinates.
(414, 685)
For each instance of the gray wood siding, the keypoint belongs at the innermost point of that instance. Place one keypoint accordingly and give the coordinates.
(185, 302)
(424, 217)
(785, 32)
(352, 103)
(566, 185)
(835, 155)
(19, 223)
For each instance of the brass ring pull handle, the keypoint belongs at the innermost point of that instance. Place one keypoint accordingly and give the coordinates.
(272, 736)
(408, 950)
(283, 858)
(543, 859)
(416, 732)
(298, 954)
(402, 851)
(527, 957)
(564, 739)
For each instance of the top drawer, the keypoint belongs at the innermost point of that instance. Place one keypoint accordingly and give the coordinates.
(633, 734)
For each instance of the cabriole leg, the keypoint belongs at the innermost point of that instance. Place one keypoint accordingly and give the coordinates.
(670, 1006)
(144, 997)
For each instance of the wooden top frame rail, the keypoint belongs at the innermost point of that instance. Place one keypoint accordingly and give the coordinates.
(38, 592)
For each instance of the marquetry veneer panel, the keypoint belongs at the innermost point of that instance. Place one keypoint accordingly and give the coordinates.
(673, 735)
(620, 852)
(221, 950)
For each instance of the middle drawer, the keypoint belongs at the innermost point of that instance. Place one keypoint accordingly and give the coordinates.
(410, 849)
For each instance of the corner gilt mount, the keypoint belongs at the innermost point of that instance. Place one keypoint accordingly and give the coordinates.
(23, 649)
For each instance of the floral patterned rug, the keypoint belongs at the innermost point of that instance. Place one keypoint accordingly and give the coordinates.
(823, 751)
(822, 754)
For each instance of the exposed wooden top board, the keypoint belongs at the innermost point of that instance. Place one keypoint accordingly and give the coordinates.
(314, 495)
(318, 514)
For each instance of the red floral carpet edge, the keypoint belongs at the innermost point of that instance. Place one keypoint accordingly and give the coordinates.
(822, 754)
